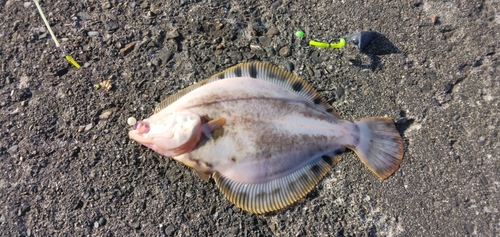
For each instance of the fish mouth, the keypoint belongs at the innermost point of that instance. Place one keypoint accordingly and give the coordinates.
(148, 142)
(139, 133)
(137, 136)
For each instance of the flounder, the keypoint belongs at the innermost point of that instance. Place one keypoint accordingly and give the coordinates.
(265, 136)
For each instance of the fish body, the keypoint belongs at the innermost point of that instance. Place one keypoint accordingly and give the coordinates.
(266, 136)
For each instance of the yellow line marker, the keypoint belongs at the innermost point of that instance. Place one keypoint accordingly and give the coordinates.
(72, 61)
(327, 45)
(318, 44)
(339, 44)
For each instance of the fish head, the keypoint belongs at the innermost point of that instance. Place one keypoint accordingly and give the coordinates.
(170, 134)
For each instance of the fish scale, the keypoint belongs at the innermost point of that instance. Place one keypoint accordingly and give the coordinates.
(264, 135)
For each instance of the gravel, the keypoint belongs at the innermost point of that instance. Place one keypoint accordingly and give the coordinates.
(65, 170)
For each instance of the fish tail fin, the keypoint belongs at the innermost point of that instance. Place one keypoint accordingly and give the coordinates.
(380, 146)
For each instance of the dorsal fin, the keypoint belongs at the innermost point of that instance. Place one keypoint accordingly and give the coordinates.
(279, 193)
(260, 71)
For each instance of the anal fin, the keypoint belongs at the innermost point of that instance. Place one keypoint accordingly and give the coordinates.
(276, 194)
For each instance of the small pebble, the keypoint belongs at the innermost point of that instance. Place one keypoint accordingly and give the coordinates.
(309, 71)
(211, 210)
(448, 88)
(273, 228)
(316, 57)
(164, 73)
(155, 10)
(271, 52)
(169, 231)
(339, 92)
(92, 33)
(317, 73)
(102, 221)
(88, 127)
(106, 5)
(127, 49)
(105, 114)
(235, 56)
(111, 26)
(13, 149)
(482, 140)
(84, 16)
(285, 51)
(235, 230)
(165, 56)
(273, 31)
(172, 34)
(289, 66)
(218, 52)
(135, 225)
(434, 19)
(131, 121)
(27, 4)
(265, 41)
(254, 47)
(16, 111)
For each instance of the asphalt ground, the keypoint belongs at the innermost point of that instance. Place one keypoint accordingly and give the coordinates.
(68, 168)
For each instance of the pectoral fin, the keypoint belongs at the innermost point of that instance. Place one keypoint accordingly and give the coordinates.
(202, 175)
(213, 125)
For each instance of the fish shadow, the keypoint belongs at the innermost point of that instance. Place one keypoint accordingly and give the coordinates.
(379, 45)
(402, 124)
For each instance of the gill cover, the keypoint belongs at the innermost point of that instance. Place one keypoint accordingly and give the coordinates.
(174, 134)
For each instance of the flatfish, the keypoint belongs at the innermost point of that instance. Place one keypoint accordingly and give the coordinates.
(264, 135)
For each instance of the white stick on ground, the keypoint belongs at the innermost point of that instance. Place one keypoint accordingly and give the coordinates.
(46, 22)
